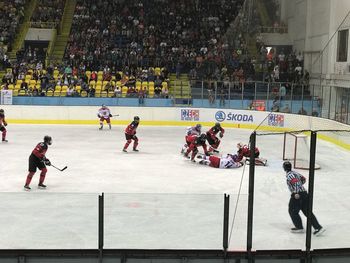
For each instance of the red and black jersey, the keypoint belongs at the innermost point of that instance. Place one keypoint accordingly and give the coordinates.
(131, 129)
(245, 152)
(195, 141)
(215, 130)
(2, 119)
(40, 150)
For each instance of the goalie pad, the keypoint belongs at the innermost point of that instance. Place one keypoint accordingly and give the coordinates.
(258, 161)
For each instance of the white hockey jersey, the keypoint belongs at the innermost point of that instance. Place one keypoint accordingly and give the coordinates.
(192, 131)
(104, 113)
(228, 162)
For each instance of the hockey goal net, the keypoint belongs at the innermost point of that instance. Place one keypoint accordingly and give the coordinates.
(296, 149)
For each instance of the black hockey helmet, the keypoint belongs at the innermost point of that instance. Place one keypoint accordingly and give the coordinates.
(103, 106)
(198, 127)
(287, 166)
(48, 139)
(137, 118)
(217, 124)
(2, 111)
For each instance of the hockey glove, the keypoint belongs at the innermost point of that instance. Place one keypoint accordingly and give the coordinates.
(99, 116)
(207, 154)
(221, 135)
(47, 162)
(303, 180)
(5, 123)
(110, 115)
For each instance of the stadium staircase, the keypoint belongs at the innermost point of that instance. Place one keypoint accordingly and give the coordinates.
(59, 46)
(23, 28)
(180, 89)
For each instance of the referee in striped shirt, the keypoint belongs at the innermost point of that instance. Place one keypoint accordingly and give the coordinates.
(299, 200)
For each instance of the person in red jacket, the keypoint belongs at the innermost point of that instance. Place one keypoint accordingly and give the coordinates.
(244, 152)
(130, 134)
(196, 141)
(214, 141)
(3, 124)
(37, 159)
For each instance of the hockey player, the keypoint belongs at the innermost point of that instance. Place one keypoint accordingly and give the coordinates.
(130, 134)
(214, 141)
(104, 114)
(244, 152)
(230, 161)
(3, 124)
(37, 159)
(190, 131)
(196, 141)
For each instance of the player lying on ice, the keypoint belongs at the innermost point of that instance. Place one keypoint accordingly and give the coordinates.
(243, 153)
(230, 161)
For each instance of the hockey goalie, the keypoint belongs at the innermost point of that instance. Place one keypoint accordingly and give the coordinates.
(243, 152)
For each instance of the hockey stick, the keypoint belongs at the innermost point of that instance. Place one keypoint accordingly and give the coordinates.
(64, 168)
(116, 115)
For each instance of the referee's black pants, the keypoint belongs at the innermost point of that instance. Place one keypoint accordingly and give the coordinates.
(295, 205)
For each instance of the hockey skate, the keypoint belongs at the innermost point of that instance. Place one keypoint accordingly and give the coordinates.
(41, 186)
(319, 231)
(124, 150)
(100, 128)
(27, 188)
(135, 150)
(3, 140)
(297, 230)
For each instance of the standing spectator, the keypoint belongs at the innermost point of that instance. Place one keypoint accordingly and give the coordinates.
(142, 95)
(299, 200)
(37, 159)
(130, 134)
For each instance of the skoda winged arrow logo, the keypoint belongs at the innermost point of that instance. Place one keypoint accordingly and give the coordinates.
(220, 116)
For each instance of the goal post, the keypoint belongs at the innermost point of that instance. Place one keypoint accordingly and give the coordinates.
(296, 149)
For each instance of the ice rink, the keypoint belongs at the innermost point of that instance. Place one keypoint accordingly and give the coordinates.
(155, 198)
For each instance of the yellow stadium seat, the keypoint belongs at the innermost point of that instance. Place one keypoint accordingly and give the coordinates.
(58, 88)
(98, 93)
(83, 94)
(98, 87)
(18, 86)
(32, 82)
(88, 73)
(11, 86)
(15, 92)
(157, 71)
(99, 82)
(19, 81)
(118, 83)
(104, 83)
(56, 72)
(165, 84)
(144, 84)
(104, 94)
(124, 91)
(110, 94)
(64, 88)
(49, 93)
(78, 88)
(22, 92)
(93, 83)
(151, 84)
(57, 93)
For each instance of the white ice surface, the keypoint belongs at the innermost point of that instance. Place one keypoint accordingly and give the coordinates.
(155, 198)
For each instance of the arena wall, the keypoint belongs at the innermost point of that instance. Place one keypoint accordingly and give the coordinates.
(172, 116)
